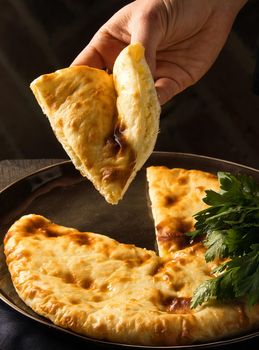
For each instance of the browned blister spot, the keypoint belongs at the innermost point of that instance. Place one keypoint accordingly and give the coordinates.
(67, 277)
(74, 301)
(103, 287)
(144, 258)
(124, 280)
(30, 226)
(80, 238)
(97, 298)
(46, 77)
(170, 201)
(178, 286)
(182, 261)
(75, 123)
(176, 268)
(87, 80)
(136, 95)
(78, 105)
(86, 283)
(157, 269)
(49, 231)
(64, 275)
(33, 292)
(131, 263)
(183, 180)
(60, 123)
(184, 226)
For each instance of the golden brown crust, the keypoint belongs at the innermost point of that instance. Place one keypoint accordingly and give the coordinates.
(98, 287)
(176, 195)
(107, 124)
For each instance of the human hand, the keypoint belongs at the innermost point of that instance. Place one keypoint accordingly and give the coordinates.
(182, 39)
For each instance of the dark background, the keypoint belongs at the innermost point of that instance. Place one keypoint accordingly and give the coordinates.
(217, 117)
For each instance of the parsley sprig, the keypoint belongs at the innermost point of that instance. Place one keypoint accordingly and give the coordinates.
(231, 228)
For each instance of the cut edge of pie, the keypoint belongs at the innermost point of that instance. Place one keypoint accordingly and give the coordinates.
(98, 287)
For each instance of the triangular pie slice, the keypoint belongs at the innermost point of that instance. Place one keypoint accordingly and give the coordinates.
(107, 124)
(175, 196)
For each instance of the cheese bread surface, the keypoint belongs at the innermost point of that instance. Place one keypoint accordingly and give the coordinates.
(176, 195)
(107, 124)
(93, 285)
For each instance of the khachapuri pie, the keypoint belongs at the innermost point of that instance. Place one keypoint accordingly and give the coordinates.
(93, 285)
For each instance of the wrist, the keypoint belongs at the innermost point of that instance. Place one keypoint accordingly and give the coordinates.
(227, 10)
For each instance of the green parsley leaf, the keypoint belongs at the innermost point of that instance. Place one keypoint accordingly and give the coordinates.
(231, 228)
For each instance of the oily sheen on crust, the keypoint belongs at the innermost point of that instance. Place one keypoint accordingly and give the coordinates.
(98, 287)
(107, 124)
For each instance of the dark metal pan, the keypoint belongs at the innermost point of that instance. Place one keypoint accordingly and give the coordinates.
(61, 194)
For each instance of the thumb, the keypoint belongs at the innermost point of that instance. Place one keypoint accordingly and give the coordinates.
(143, 32)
